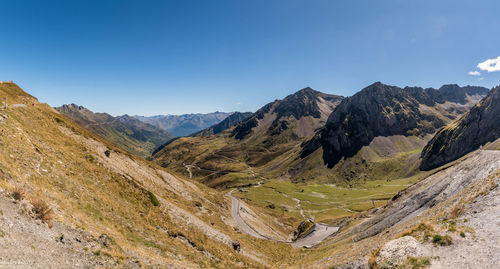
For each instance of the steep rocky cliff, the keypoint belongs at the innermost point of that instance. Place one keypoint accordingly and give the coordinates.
(477, 127)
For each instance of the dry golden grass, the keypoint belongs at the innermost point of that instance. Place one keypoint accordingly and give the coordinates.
(42, 211)
(18, 193)
(58, 160)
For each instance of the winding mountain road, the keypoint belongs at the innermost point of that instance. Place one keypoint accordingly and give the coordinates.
(319, 231)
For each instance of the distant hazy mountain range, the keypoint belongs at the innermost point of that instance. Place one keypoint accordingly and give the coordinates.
(142, 135)
(186, 124)
(124, 131)
(227, 123)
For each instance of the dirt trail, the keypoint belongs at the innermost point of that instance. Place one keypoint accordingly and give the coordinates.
(319, 231)
(299, 206)
(188, 168)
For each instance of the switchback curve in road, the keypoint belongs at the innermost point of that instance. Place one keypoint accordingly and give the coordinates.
(318, 233)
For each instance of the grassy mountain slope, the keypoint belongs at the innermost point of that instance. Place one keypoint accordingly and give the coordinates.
(143, 213)
(186, 124)
(376, 134)
(124, 131)
(478, 127)
(237, 155)
(122, 211)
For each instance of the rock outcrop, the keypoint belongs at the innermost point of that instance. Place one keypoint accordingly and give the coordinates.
(477, 127)
(383, 110)
(304, 103)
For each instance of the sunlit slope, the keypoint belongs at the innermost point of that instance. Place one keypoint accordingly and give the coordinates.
(124, 131)
(479, 126)
(237, 155)
(149, 215)
(377, 134)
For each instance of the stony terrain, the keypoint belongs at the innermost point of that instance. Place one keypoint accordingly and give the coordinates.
(29, 243)
(460, 198)
(478, 248)
(149, 216)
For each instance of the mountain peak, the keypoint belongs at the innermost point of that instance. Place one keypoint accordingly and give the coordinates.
(307, 90)
(384, 110)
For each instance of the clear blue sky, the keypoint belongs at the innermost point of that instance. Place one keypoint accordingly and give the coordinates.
(159, 57)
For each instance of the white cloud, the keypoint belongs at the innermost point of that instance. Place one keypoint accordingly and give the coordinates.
(480, 79)
(474, 73)
(238, 103)
(490, 65)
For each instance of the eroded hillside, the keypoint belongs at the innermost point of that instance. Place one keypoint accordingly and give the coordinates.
(444, 214)
(144, 214)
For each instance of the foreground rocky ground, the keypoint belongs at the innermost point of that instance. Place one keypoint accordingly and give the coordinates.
(474, 234)
(27, 242)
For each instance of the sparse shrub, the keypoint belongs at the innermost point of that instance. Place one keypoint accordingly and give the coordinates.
(42, 211)
(436, 238)
(90, 158)
(441, 240)
(372, 259)
(422, 231)
(58, 120)
(462, 234)
(457, 211)
(416, 263)
(153, 199)
(18, 193)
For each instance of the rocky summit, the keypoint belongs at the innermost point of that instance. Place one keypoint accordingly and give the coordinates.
(220, 155)
(383, 110)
